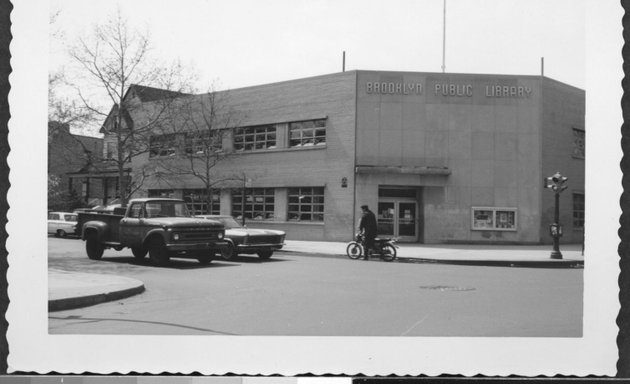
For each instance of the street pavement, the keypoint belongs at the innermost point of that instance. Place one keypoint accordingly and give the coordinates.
(68, 290)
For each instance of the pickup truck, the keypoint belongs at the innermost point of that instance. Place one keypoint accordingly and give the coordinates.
(163, 228)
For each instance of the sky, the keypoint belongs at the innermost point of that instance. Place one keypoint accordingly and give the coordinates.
(238, 43)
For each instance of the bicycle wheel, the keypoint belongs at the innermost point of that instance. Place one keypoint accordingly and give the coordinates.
(389, 252)
(354, 250)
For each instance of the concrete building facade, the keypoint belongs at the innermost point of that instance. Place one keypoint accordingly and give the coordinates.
(438, 157)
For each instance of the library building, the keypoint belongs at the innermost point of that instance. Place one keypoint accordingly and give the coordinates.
(439, 158)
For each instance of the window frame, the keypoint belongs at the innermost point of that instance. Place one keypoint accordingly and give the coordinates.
(253, 198)
(301, 194)
(191, 203)
(307, 133)
(163, 143)
(195, 140)
(494, 211)
(574, 211)
(579, 143)
(259, 140)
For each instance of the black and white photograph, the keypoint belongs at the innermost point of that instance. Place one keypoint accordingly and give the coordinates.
(315, 187)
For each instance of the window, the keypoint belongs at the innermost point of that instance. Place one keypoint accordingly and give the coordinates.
(578, 211)
(307, 133)
(135, 211)
(306, 204)
(255, 138)
(197, 201)
(163, 145)
(110, 150)
(259, 203)
(166, 193)
(494, 219)
(54, 216)
(579, 144)
(198, 143)
(165, 209)
(70, 217)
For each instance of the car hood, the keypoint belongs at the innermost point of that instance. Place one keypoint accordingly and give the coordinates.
(252, 232)
(188, 222)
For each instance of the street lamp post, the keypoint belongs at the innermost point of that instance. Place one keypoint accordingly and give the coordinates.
(557, 183)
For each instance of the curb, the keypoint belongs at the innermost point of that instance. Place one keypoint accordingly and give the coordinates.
(85, 301)
(500, 263)
(487, 263)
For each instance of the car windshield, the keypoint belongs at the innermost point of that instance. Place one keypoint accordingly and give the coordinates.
(166, 209)
(229, 222)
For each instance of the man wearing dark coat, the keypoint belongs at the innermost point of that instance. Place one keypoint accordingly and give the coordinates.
(367, 225)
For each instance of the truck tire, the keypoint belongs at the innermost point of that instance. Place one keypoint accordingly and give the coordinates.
(229, 253)
(158, 252)
(93, 247)
(265, 254)
(139, 252)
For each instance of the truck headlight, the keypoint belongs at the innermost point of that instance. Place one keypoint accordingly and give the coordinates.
(176, 236)
(220, 235)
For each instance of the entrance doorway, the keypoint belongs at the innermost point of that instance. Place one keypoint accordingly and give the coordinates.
(398, 218)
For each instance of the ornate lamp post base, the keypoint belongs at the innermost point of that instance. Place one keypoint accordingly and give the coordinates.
(556, 255)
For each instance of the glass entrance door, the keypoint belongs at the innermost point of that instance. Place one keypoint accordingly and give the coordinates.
(385, 219)
(407, 220)
(398, 219)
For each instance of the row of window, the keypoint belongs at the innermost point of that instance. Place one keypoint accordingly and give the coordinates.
(301, 134)
(304, 203)
(307, 204)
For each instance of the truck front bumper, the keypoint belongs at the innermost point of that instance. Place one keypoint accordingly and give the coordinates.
(217, 246)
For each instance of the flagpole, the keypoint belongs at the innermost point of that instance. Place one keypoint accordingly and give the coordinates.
(444, 39)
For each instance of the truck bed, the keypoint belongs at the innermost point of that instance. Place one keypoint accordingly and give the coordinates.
(113, 222)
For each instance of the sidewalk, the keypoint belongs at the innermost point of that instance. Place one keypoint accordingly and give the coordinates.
(535, 256)
(68, 290)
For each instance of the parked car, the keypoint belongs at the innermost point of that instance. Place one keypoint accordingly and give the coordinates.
(62, 224)
(243, 240)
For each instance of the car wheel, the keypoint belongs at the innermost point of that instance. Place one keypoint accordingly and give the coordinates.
(158, 252)
(229, 253)
(61, 233)
(93, 247)
(139, 252)
(265, 254)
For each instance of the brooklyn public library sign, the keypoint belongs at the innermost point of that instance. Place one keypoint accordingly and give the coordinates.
(447, 89)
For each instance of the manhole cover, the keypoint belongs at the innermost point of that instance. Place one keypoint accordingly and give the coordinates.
(444, 288)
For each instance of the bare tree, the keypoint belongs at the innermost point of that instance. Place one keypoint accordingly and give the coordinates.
(116, 60)
(205, 123)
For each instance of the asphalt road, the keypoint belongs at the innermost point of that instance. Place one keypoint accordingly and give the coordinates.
(295, 294)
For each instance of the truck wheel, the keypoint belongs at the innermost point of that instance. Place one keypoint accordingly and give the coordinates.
(158, 252)
(139, 252)
(229, 253)
(265, 255)
(93, 247)
(205, 259)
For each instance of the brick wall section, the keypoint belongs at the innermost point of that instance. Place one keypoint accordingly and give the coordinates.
(563, 110)
(330, 96)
